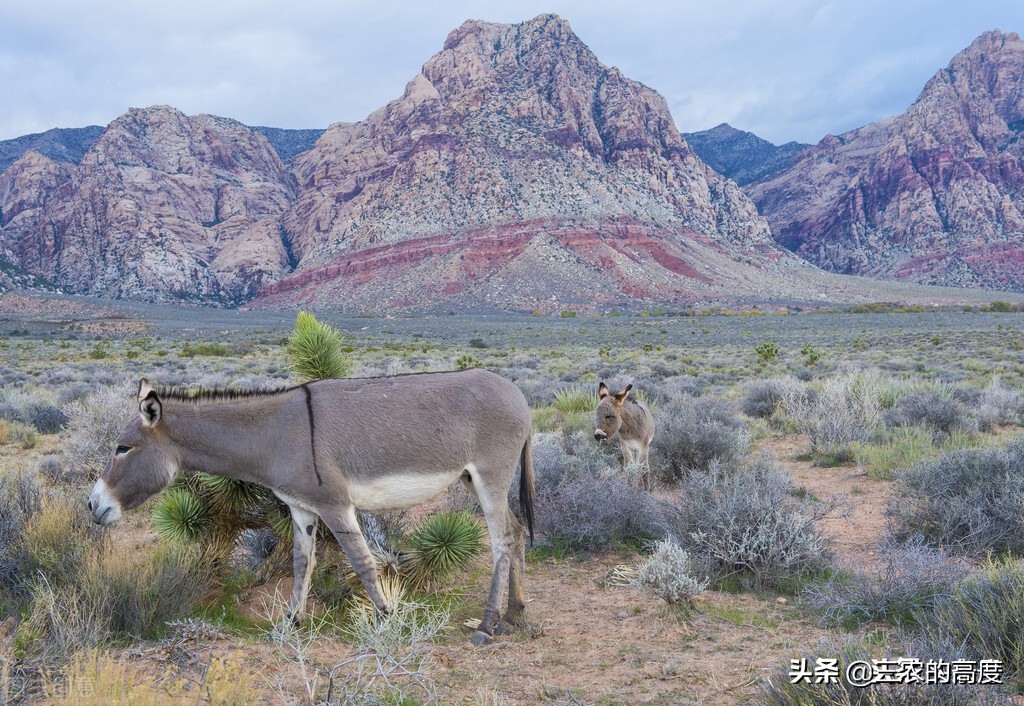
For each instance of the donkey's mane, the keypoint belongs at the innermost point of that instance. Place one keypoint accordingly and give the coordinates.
(218, 394)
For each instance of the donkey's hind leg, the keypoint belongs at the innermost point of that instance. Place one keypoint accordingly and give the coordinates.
(503, 542)
(516, 573)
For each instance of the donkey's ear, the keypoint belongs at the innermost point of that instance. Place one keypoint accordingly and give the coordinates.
(619, 397)
(150, 408)
(602, 391)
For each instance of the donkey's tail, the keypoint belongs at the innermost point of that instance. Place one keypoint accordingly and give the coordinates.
(526, 489)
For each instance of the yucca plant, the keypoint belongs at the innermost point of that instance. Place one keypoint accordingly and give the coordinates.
(234, 495)
(573, 400)
(183, 516)
(314, 350)
(441, 545)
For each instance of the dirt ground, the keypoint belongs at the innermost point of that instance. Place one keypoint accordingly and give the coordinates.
(590, 641)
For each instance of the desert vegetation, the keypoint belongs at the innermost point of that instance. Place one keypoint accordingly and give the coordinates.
(753, 548)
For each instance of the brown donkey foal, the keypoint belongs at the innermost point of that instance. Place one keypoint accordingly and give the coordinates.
(632, 421)
(330, 447)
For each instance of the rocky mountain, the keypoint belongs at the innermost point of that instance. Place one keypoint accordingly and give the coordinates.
(516, 171)
(60, 144)
(162, 206)
(742, 156)
(516, 168)
(289, 143)
(933, 195)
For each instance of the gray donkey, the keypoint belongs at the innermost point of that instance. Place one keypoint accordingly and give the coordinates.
(331, 447)
(632, 421)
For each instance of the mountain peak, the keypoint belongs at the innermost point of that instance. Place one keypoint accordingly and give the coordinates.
(931, 195)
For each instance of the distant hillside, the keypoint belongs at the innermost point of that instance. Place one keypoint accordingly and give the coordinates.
(742, 156)
(60, 144)
(934, 195)
(288, 143)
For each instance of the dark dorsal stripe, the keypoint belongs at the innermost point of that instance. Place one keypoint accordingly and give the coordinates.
(312, 431)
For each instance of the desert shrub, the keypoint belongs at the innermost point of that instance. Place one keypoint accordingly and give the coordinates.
(24, 435)
(46, 418)
(985, 613)
(779, 689)
(998, 405)
(33, 407)
(693, 433)
(844, 410)
(965, 499)
(20, 500)
(744, 522)
(115, 595)
(668, 574)
(761, 398)
(910, 578)
(52, 469)
(94, 423)
(584, 502)
(933, 408)
(57, 539)
(408, 627)
(545, 419)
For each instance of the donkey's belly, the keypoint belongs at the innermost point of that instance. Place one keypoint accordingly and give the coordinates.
(398, 490)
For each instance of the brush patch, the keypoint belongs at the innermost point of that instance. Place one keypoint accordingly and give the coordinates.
(398, 490)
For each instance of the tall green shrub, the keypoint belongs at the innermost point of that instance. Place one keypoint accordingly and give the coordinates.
(314, 350)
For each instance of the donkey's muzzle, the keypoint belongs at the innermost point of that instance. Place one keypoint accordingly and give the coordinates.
(600, 435)
(102, 506)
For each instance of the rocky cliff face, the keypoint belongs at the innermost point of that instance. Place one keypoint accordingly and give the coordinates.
(516, 171)
(933, 195)
(512, 129)
(163, 206)
(742, 156)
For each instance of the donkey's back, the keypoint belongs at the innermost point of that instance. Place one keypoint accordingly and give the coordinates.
(419, 430)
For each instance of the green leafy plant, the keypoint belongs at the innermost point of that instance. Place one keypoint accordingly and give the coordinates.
(767, 351)
(466, 361)
(573, 400)
(443, 544)
(182, 516)
(314, 350)
(811, 356)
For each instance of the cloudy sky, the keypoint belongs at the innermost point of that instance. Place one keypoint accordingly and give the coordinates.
(784, 69)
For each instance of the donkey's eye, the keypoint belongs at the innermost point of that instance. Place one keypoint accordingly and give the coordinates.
(608, 416)
(122, 450)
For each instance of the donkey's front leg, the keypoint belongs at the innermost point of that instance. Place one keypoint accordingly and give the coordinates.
(304, 557)
(345, 527)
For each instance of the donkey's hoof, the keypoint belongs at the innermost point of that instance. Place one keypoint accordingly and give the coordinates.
(481, 638)
(504, 628)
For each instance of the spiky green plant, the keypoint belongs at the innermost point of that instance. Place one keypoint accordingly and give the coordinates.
(573, 400)
(314, 350)
(182, 516)
(231, 494)
(443, 544)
